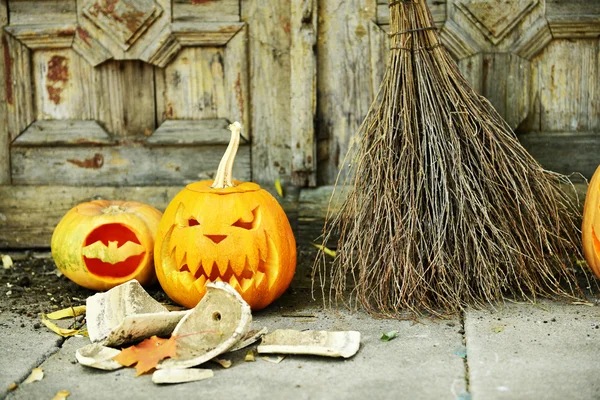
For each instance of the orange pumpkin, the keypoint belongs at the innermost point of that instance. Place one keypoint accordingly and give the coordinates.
(590, 230)
(101, 244)
(225, 231)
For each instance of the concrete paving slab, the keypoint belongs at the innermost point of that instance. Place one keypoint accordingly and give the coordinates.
(23, 347)
(419, 364)
(545, 351)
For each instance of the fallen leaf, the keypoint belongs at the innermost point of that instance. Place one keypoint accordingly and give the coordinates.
(387, 336)
(36, 375)
(498, 329)
(69, 312)
(223, 363)
(13, 386)
(62, 395)
(325, 250)
(64, 332)
(279, 188)
(249, 356)
(148, 353)
(7, 262)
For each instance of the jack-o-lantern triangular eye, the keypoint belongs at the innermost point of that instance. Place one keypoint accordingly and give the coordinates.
(193, 222)
(249, 224)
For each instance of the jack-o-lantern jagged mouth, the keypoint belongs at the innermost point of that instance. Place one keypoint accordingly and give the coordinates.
(251, 278)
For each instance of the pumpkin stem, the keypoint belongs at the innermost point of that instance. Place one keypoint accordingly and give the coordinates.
(223, 179)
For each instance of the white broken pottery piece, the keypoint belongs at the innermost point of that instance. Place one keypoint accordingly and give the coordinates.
(250, 338)
(320, 343)
(127, 313)
(181, 375)
(97, 356)
(216, 324)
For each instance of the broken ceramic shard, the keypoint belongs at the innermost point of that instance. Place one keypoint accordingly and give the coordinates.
(249, 338)
(321, 343)
(217, 323)
(181, 375)
(97, 356)
(127, 313)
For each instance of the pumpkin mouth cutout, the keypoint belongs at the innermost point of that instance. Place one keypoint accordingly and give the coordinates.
(113, 251)
(251, 278)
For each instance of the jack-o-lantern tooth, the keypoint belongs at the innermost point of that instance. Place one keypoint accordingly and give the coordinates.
(194, 261)
(259, 279)
(252, 262)
(180, 256)
(233, 281)
(246, 285)
(186, 279)
(200, 284)
(222, 266)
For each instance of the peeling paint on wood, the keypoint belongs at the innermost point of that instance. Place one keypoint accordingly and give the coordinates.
(95, 162)
(57, 77)
(84, 35)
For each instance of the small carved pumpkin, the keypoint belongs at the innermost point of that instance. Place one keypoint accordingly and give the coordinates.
(225, 231)
(101, 244)
(590, 230)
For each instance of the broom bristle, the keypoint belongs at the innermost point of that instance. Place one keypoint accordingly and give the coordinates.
(445, 208)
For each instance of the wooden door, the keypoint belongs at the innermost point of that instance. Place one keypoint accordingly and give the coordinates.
(537, 61)
(130, 99)
(126, 99)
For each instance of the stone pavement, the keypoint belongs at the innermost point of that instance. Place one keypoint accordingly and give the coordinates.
(519, 351)
(548, 350)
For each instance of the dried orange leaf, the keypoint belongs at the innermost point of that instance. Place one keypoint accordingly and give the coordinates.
(62, 395)
(148, 353)
(36, 375)
(69, 312)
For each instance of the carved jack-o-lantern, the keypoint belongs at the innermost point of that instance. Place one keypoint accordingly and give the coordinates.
(225, 231)
(102, 244)
(590, 230)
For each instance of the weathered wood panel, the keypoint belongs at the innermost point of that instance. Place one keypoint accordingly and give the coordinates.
(63, 133)
(206, 10)
(303, 89)
(269, 38)
(18, 86)
(186, 132)
(126, 164)
(573, 19)
(237, 92)
(43, 36)
(26, 12)
(128, 30)
(63, 84)
(506, 83)
(4, 84)
(566, 88)
(29, 214)
(192, 85)
(125, 100)
(345, 84)
(564, 152)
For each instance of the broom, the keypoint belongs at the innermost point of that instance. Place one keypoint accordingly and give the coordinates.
(445, 208)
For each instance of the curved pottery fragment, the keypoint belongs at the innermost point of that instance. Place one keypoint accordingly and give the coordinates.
(320, 343)
(95, 355)
(127, 313)
(217, 323)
